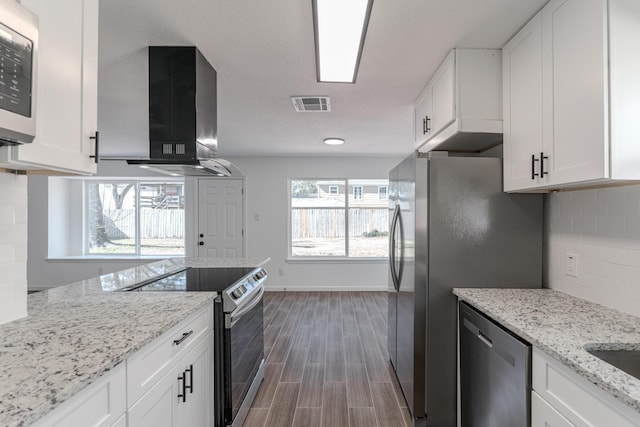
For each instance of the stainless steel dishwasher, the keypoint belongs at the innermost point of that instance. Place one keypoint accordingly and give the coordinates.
(495, 373)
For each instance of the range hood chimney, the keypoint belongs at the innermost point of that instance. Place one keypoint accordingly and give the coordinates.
(183, 127)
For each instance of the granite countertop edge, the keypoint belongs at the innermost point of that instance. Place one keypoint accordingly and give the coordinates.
(556, 335)
(74, 334)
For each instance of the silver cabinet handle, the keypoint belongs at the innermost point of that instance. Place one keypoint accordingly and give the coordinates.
(485, 339)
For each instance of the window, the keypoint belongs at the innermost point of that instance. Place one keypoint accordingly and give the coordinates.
(357, 192)
(382, 192)
(327, 224)
(134, 217)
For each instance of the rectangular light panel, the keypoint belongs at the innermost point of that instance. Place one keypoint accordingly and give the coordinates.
(340, 27)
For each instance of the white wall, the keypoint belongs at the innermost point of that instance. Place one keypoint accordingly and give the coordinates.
(601, 226)
(266, 196)
(267, 199)
(13, 247)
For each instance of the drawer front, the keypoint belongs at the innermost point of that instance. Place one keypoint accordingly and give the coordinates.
(149, 364)
(101, 404)
(581, 402)
(545, 415)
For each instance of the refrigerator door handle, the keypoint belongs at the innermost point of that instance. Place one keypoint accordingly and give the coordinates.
(392, 247)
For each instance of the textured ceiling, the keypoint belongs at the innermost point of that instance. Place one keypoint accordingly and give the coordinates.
(263, 52)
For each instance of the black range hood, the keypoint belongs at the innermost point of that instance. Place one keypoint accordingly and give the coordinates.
(183, 126)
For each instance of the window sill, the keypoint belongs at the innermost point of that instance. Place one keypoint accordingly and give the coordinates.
(110, 258)
(336, 260)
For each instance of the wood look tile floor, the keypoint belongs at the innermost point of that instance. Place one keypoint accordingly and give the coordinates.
(326, 363)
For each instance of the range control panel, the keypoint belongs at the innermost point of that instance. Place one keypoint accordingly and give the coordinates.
(241, 291)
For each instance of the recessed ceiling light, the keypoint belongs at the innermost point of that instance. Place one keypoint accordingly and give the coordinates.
(333, 141)
(339, 28)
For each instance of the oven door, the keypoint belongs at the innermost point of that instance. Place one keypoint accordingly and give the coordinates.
(244, 358)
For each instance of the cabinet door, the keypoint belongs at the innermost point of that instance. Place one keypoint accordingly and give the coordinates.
(544, 415)
(522, 93)
(158, 408)
(101, 404)
(196, 410)
(443, 91)
(575, 94)
(67, 87)
(164, 405)
(423, 118)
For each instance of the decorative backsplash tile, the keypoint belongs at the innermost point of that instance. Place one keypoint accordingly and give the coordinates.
(602, 227)
(13, 247)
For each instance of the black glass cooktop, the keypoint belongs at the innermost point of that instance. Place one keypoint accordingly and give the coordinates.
(198, 279)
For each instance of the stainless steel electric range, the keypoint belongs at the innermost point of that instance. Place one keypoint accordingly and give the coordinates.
(238, 332)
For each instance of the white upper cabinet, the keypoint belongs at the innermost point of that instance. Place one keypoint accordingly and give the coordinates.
(522, 90)
(570, 96)
(460, 109)
(66, 110)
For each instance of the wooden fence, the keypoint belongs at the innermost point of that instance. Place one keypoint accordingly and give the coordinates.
(315, 222)
(154, 223)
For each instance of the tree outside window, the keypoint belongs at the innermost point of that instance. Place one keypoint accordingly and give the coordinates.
(135, 217)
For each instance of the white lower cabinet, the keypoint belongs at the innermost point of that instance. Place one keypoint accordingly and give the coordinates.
(101, 404)
(152, 362)
(182, 397)
(120, 422)
(561, 397)
(169, 382)
(544, 415)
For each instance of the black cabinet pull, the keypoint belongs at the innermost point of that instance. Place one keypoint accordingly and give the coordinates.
(190, 386)
(182, 379)
(425, 125)
(542, 159)
(97, 138)
(533, 167)
(185, 335)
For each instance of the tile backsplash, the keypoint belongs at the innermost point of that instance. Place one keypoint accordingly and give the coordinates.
(601, 227)
(13, 247)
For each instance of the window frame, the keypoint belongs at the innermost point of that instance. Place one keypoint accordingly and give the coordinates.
(328, 258)
(353, 191)
(331, 193)
(386, 192)
(137, 181)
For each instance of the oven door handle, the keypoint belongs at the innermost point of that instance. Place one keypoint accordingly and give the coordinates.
(238, 314)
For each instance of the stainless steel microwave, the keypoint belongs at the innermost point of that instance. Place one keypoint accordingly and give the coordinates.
(18, 73)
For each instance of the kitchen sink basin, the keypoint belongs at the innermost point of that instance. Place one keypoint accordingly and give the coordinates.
(627, 360)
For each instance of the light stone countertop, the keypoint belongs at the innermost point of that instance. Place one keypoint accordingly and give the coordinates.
(562, 325)
(75, 333)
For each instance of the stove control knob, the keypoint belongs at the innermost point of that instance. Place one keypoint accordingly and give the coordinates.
(237, 293)
(244, 289)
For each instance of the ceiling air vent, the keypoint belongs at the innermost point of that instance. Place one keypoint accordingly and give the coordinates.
(314, 104)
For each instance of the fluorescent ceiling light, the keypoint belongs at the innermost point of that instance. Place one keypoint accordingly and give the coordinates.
(333, 141)
(340, 27)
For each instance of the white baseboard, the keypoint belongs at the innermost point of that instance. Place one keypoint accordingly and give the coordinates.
(326, 288)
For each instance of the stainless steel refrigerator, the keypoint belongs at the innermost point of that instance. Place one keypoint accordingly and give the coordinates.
(451, 226)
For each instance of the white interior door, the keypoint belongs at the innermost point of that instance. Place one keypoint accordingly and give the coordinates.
(220, 218)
